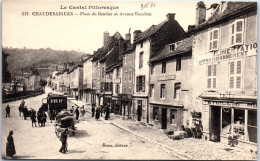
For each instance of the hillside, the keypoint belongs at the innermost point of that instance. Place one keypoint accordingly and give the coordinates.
(24, 59)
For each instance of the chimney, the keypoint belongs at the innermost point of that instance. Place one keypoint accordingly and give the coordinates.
(106, 39)
(191, 27)
(200, 13)
(128, 38)
(170, 16)
(137, 33)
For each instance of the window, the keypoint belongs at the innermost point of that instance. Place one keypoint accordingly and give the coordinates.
(152, 90)
(141, 60)
(178, 64)
(111, 86)
(213, 39)
(117, 89)
(237, 29)
(235, 74)
(142, 43)
(140, 83)
(163, 67)
(103, 72)
(130, 76)
(162, 92)
(152, 69)
(117, 72)
(126, 75)
(172, 47)
(155, 113)
(252, 125)
(174, 117)
(177, 90)
(212, 76)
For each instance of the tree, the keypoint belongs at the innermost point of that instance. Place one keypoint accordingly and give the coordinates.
(43, 83)
(6, 75)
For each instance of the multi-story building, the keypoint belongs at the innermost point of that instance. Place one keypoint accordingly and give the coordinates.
(32, 82)
(128, 81)
(147, 44)
(76, 81)
(87, 80)
(225, 71)
(170, 88)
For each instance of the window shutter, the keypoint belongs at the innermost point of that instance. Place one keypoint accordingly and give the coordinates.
(238, 83)
(215, 70)
(214, 83)
(209, 70)
(239, 67)
(232, 68)
(209, 83)
(143, 83)
(231, 82)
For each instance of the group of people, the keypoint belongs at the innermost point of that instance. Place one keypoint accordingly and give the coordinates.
(100, 110)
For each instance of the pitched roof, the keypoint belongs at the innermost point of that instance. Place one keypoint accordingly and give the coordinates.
(150, 31)
(232, 9)
(184, 47)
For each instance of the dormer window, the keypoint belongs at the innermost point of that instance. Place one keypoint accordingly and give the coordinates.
(213, 39)
(237, 30)
(174, 46)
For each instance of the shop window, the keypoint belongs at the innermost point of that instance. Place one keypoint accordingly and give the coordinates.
(252, 125)
(152, 90)
(239, 124)
(162, 91)
(178, 64)
(237, 30)
(177, 90)
(226, 122)
(163, 67)
(235, 74)
(156, 113)
(212, 77)
(213, 39)
(174, 117)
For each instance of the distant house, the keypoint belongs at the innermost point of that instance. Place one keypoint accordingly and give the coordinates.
(87, 80)
(32, 82)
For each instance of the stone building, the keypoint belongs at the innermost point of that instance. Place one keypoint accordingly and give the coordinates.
(170, 88)
(87, 81)
(147, 44)
(224, 78)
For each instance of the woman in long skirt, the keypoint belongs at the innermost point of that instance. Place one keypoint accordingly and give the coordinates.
(10, 148)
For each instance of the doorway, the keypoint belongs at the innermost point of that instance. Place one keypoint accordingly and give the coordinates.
(215, 124)
(164, 118)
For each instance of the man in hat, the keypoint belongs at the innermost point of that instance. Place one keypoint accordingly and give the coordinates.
(7, 109)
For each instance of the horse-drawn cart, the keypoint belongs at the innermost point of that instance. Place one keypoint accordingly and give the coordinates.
(65, 120)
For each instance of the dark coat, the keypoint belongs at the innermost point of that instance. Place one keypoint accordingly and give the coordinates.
(10, 148)
(63, 136)
(7, 109)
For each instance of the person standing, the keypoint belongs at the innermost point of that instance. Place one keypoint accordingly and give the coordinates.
(10, 148)
(93, 110)
(25, 112)
(83, 111)
(97, 113)
(77, 113)
(7, 109)
(63, 139)
(20, 108)
(107, 113)
(33, 117)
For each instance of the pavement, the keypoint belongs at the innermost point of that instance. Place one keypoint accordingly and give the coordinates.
(187, 148)
(93, 140)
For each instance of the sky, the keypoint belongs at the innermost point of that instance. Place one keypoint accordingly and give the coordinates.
(83, 33)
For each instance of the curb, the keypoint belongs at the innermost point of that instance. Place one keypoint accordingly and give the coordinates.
(167, 148)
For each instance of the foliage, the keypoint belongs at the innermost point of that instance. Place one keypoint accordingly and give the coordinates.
(6, 75)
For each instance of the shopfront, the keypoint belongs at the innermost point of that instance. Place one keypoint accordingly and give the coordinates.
(233, 118)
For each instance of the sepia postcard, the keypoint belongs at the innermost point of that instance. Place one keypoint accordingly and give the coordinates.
(129, 80)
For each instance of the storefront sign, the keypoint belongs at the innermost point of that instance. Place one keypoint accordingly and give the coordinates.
(241, 51)
(232, 104)
(169, 77)
(117, 80)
